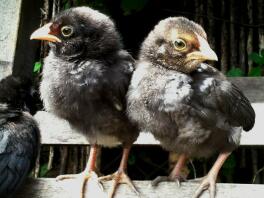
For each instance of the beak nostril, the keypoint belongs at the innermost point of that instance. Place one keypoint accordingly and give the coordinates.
(43, 33)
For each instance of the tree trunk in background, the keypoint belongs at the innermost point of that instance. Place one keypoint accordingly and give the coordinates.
(250, 32)
(76, 159)
(211, 22)
(37, 167)
(201, 13)
(254, 155)
(260, 21)
(44, 19)
(224, 39)
(242, 43)
(63, 159)
(51, 157)
(197, 10)
(233, 36)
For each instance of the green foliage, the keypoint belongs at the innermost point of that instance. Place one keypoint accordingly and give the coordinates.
(37, 67)
(257, 58)
(130, 6)
(255, 71)
(229, 166)
(235, 72)
(98, 5)
(131, 159)
(43, 170)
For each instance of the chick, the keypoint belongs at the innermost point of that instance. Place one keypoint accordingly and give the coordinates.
(85, 80)
(19, 135)
(189, 106)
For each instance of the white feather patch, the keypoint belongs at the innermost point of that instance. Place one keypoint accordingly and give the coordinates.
(206, 83)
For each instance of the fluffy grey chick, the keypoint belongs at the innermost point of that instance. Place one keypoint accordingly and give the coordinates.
(85, 80)
(189, 106)
(19, 135)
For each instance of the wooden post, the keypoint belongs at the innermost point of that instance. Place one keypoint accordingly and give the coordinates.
(17, 52)
(260, 20)
(224, 40)
(9, 15)
(25, 53)
(250, 33)
(233, 36)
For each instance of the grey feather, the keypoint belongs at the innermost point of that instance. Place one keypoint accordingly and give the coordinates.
(19, 136)
(86, 77)
(192, 111)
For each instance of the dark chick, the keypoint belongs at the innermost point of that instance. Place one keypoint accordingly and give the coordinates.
(85, 80)
(189, 106)
(19, 135)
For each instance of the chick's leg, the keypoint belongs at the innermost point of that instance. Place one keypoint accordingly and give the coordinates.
(87, 174)
(209, 181)
(120, 176)
(175, 174)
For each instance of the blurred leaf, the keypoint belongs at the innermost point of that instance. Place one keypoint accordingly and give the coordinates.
(66, 5)
(81, 3)
(255, 71)
(43, 170)
(129, 6)
(37, 67)
(229, 166)
(99, 5)
(256, 58)
(235, 72)
(132, 159)
(262, 52)
(230, 162)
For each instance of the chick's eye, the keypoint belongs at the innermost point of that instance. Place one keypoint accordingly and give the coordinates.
(180, 44)
(67, 31)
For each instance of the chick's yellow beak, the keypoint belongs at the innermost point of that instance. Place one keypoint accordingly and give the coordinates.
(44, 34)
(205, 52)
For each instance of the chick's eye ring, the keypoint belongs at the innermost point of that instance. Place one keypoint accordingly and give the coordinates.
(67, 31)
(180, 44)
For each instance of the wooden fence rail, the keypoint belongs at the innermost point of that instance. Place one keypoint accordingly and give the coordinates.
(56, 131)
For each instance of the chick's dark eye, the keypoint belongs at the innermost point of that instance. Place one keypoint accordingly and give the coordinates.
(67, 31)
(180, 44)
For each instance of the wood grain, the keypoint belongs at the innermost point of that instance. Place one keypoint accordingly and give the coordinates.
(57, 131)
(43, 188)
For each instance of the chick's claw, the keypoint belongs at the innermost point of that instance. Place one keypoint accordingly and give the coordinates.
(209, 183)
(178, 179)
(119, 177)
(84, 177)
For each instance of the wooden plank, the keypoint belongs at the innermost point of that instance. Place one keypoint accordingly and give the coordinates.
(58, 131)
(252, 87)
(9, 15)
(43, 188)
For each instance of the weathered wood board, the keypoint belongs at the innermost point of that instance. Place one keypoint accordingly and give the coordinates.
(9, 15)
(49, 188)
(58, 131)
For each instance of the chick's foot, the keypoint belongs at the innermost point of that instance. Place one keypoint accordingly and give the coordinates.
(119, 177)
(83, 178)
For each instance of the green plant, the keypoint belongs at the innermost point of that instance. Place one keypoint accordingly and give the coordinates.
(258, 59)
(129, 6)
(37, 67)
(43, 170)
(235, 72)
(229, 166)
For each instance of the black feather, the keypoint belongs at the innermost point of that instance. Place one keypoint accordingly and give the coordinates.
(19, 136)
(86, 77)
